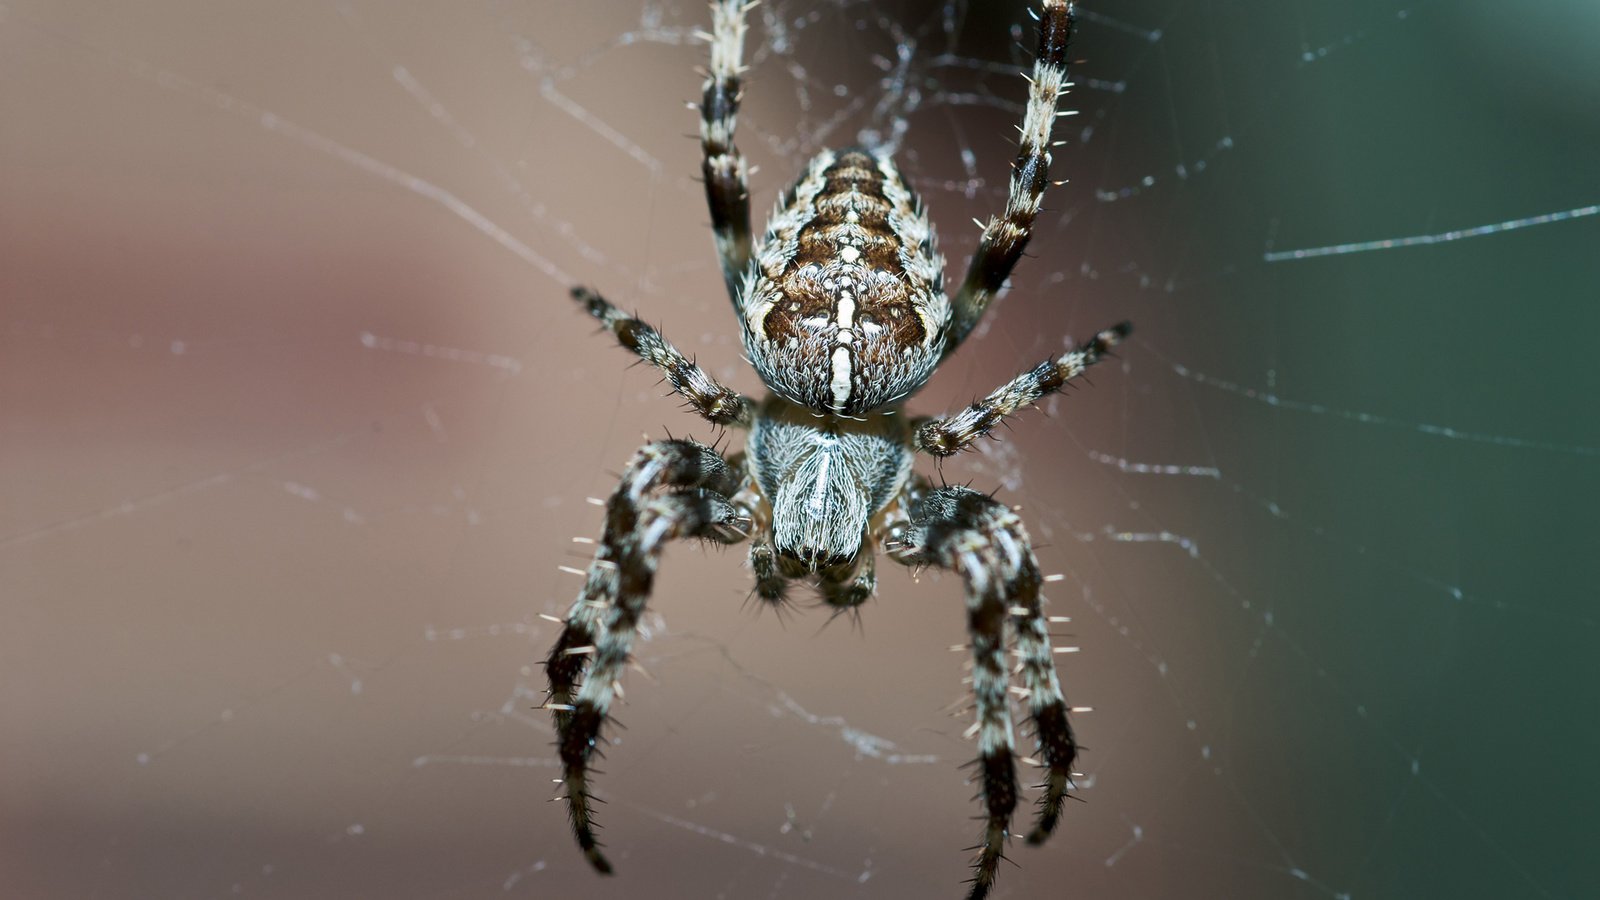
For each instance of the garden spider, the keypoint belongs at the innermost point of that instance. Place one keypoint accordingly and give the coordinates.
(844, 316)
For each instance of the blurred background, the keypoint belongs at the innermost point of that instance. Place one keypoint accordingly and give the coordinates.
(297, 425)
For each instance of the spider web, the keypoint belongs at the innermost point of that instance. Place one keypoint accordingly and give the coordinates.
(299, 426)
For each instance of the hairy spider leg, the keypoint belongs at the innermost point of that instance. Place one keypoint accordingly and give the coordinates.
(722, 165)
(1052, 731)
(981, 539)
(714, 401)
(670, 490)
(672, 465)
(1005, 236)
(947, 435)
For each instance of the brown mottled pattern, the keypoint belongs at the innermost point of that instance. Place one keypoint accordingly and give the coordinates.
(852, 184)
(811, 280)
(895, 312)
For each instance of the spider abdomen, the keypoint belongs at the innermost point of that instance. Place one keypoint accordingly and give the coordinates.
(844, 309)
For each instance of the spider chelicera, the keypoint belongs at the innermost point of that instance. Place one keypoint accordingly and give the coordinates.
(844, 316)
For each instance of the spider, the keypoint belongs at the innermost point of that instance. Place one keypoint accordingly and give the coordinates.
(843, 313)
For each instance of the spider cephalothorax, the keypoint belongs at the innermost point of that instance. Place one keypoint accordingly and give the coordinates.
(824, 481)
(844, 315)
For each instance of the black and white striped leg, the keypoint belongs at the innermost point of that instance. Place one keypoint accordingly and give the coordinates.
(1056, 746)
(715, 402)
(951, 434)
(722, 165)
(1005, 236)
(671, 489)
(984, 541)
(674, 465)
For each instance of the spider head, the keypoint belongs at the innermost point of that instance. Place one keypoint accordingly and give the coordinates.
(825, 478)
(819, 525)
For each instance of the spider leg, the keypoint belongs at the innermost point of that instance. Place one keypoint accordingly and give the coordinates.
(984, 541)
(722, 165)
(1057, 747)
(714, 401)
(1005, 236)
(673, 465)
(947, 435)
(671, 489)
